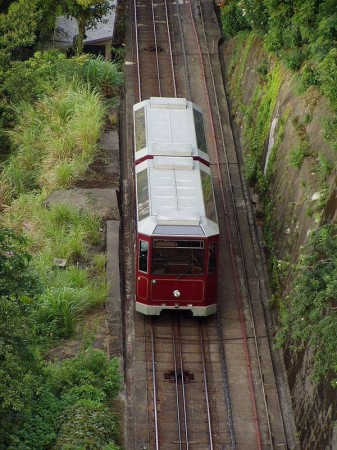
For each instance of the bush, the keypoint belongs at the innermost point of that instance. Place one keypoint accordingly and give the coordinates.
(71, 409)
(324, 167)
(293, 59)
(88, 426)
(308, 317)
(328, 76)
(250, 168)
(297, 155)
(232, 19)
(40, 75)
(104, 75)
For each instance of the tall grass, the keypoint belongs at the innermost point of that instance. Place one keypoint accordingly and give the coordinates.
(105, 75)
(55, 141)
(66, 232)
(61, 307)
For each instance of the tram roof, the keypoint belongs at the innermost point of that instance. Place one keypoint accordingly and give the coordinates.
(167, 126)
(175, 197)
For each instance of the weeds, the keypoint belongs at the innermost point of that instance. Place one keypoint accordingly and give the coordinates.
(297, 155)
(55, 141)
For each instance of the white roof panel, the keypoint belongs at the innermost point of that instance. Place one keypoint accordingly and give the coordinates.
(170, 128)
(175, 194)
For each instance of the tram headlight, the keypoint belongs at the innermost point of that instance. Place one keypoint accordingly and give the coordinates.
(176, 293)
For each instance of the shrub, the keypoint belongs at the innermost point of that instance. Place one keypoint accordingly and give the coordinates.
(88, 426)
(71, 409)
(293, 58)
(40, 75)
(297, 155)
(233, 19)
(328, 76)
(308, 316)
(250, 167)
(324, 167)
(330, 131)
(307, 77)
(104, 75)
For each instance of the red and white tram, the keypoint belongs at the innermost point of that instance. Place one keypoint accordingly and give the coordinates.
(177, 227)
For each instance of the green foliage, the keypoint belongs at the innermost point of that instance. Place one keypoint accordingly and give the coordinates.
(40, 75)
(250, 168)
(324, 167)
(18, 29)
(104, 75)
(68, 233)
(90, 367)
(233, 19)
(17, 277)
(55, 141)
(293, 59)
(87, 13)
(50, 70)
(297, 155)
(263, 68)
(20, 366)
(258, 114)
(302, 33)
(328, 76)
(20, 369)
(72, 409)
(255, 13)
(88, 426)
(330, 131)
(309, 317)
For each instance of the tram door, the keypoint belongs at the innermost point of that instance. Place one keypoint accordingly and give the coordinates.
(142, 270)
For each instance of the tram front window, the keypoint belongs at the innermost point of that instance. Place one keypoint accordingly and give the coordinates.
(178, 257)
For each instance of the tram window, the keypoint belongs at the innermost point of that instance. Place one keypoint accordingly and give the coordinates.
(178, 257)
(199, 130)
(143, 256)
(207, 190)
(212, 258)
(140, 138)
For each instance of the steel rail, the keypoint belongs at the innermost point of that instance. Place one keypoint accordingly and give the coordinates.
(154, 387)
(237, 228)
(187, 75)
(176, 384)
(170, 49)
(156, 46)
(203, 361)
(234, 268)
(137, 50)
(183, 386)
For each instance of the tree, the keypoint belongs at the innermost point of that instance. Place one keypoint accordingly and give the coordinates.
(87, 13)
(18, 28)
(16, 277)
(19, 364)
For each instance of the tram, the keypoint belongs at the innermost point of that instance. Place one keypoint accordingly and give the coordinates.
(177, 234)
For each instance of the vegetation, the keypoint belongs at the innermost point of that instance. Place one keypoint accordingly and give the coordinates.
(73, 406)
(308, 315)
(300, 36)
(87, 13)
(52, 112)
(19, 287)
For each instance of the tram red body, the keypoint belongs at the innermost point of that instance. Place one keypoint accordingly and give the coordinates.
(177, 233)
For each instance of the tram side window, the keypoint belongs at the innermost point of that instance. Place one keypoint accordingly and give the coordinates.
(143, 256)
(212, 258)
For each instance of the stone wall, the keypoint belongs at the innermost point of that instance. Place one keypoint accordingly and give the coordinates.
(296, 193)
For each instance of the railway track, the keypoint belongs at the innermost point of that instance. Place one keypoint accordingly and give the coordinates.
(182, 385)
(198, 384)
